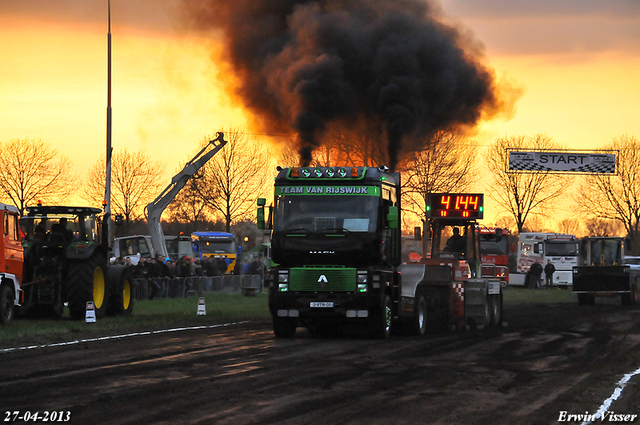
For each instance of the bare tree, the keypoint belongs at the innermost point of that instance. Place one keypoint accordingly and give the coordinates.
(188, 206)
(616, 197)
(522, 194)
(536, 224)
(445, 165)
(31, 170)
(506, 222)
(289, 156)
(234, 178)
(603, 227)
(135, 181)
(570, 225)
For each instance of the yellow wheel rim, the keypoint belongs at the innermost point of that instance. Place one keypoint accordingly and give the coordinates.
(126, 294)
(98, 287)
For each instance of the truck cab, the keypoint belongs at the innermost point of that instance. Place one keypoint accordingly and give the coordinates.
(336, 242)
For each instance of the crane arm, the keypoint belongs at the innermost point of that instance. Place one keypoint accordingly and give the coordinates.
(156, 208)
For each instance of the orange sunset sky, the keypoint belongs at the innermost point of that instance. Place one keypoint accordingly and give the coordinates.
(577, 62)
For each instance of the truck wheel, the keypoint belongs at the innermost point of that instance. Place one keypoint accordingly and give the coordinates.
(86, 282)
(420, 318)
(381, 321)
(283, 327)
(496, 310)
(120, 283)
(7, 309)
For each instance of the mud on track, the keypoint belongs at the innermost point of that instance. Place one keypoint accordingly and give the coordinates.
(550, 358)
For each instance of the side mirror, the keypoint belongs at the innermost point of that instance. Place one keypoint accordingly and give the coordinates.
(261, 204)
(498, 235)
(417, 233)
(392, 217)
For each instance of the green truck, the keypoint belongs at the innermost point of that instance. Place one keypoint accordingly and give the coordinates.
(335, 240)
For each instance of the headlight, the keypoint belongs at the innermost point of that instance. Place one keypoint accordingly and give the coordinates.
(283, 277)
(362, 287)
(362, 277)
(283, 287)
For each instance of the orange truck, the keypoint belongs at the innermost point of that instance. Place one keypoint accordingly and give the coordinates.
(10, 263)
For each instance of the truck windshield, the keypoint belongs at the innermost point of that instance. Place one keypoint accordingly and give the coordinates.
(605, 252)
(559, 249)
(320, 213)
(72, 227)
(217, 247)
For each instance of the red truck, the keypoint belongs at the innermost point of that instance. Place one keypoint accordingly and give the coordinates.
(10, 263)
(494, 249)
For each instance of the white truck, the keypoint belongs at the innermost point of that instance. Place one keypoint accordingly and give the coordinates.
(561, 249)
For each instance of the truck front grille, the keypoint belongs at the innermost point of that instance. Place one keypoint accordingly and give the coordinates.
(324, 279)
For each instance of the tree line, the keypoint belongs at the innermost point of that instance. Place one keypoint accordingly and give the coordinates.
(224, 191)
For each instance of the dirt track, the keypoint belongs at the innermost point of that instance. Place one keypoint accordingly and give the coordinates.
(549, 359)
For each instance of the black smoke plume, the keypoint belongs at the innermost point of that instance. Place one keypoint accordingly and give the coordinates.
(389, 66)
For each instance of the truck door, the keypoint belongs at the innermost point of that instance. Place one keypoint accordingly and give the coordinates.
(12, 245)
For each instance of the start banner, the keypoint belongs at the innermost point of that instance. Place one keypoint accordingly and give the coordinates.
(562, 162)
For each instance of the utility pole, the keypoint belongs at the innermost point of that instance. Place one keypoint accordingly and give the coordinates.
(107, 187)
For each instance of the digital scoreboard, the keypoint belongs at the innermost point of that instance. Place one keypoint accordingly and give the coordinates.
(455, 205)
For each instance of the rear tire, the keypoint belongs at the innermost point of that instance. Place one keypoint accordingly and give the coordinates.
(420, 318)
(496, 310)
(7, 308)
(86, 282)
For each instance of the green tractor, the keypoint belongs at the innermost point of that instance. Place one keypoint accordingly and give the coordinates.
(66, 262)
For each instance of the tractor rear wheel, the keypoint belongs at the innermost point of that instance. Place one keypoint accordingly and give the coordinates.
(420, 318)
(120, 282)
(86, 282)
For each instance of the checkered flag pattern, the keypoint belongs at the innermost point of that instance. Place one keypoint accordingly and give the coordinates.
(458, 288)
(598, 167)
(526, 166)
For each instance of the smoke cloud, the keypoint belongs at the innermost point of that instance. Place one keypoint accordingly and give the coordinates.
(388, 66)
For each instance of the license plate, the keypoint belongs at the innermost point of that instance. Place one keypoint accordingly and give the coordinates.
(322, 305)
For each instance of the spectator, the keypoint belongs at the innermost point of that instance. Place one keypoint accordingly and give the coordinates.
(549, 269)
(535, 275)
(198, 270)
(210, 268)
(141, 271)
(222, 266)
(255, 267)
